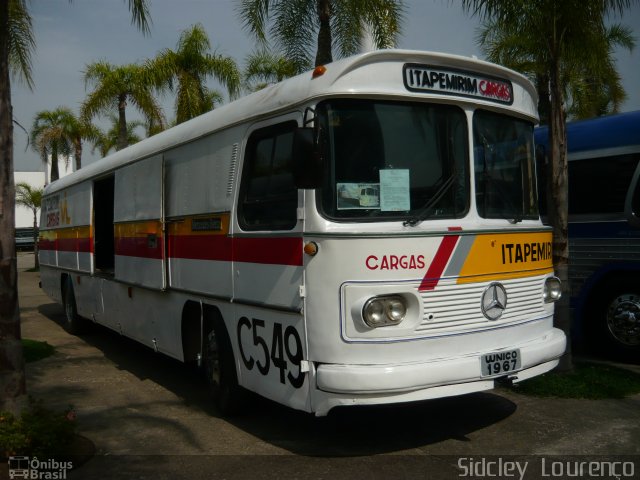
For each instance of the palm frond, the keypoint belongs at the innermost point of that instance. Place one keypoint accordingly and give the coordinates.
(253, 15)
(140, 15)
(21, 41)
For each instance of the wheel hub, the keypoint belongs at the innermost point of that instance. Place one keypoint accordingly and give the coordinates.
(623, 319)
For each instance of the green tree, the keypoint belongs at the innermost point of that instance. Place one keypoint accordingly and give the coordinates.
(115, 87)
(591, 83)
(107, 141)
(263, 67)
(16, 45)
(337, 24)
(31, 198)
(48, 138)
(76, 130)
(551, 41)
(187, 69)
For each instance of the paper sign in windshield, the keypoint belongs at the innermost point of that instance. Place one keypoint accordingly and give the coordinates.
(394, 190)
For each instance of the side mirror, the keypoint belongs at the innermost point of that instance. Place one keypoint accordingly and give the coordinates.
(307, 161)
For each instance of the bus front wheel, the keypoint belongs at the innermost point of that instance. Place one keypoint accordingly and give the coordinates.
(617, 318)
(220, 371)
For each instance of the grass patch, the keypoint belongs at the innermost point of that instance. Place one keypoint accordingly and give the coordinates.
(588, 380)
(34, 350)
(37, 431)
(34, 269)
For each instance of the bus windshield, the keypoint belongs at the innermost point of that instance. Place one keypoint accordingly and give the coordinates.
(504, 167)
(393, 160)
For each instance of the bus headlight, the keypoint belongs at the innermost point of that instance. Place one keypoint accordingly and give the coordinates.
(552, 290)
(383, 311)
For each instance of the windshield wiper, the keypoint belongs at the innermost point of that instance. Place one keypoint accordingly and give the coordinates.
(425, 212)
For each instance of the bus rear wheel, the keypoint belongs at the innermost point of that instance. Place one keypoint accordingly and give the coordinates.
(618, 321)
(74, 323)
(220, 371)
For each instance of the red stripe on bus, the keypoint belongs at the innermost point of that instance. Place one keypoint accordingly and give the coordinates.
(439, 263)
(81, 245)
(200, 247)
(138, 247)
(270, 251)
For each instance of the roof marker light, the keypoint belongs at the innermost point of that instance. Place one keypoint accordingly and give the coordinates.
(318, 71)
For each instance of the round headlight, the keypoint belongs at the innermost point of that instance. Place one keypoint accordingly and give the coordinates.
(552, 290)
(396, 310)
(382, 311)
(374, 313)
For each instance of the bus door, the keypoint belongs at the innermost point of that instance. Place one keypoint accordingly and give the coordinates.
(268, 268)
(138, 220)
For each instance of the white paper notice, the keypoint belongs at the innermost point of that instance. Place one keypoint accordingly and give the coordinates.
(394, 190)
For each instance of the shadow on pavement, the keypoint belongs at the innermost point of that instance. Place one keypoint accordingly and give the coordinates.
(346, 431)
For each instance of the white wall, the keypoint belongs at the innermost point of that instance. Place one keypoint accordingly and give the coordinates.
(24, 216)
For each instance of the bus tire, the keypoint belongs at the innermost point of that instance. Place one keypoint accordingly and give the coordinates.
(220, 371)
(74, 323)
(615, 322)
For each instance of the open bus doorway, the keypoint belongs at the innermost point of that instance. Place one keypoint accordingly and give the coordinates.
(103, 239)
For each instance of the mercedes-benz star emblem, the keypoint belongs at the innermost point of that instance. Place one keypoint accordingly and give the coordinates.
(494, 301)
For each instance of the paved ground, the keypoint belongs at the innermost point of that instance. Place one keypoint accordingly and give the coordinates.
(149, 417)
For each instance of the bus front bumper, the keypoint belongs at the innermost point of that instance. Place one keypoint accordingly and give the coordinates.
(440, 377)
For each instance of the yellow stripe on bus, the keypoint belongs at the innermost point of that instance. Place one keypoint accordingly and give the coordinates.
(507, 255)
(65, 233)
(137, 229)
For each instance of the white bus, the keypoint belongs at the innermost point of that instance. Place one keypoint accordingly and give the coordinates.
(232, 240)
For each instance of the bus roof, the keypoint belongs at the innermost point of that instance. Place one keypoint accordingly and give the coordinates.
(601, 133)
(358, 75)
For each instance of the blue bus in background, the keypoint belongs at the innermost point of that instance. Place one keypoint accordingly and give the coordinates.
(604, 230)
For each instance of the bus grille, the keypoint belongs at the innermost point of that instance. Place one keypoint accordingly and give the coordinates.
(451, 307)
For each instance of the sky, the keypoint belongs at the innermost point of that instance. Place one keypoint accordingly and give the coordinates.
(71, 35)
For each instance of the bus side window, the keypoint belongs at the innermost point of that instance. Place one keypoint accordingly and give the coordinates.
(635, 200)
(268, 196)
(614, 174)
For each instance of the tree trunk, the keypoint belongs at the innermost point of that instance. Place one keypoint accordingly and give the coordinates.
(13, 389)
(542, 86)
(323, 56)
(55, 173)
(559, 207)
(122, 123)
(77, 145)
(35, 240)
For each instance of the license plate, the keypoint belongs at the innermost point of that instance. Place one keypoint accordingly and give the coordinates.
(500, 363)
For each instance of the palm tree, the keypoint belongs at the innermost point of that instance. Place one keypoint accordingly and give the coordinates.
(16, 45)
(187, 68)
(591, 88)
(104, 142)
(339, 24)
(49, 138)
(551, 41)
(114, 87)
(264, 67)
(76, 129)
(31, 198)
